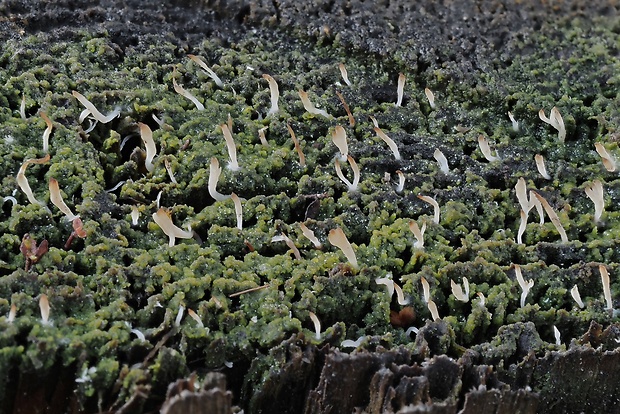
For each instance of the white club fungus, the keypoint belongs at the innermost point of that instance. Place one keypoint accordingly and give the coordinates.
(151, 150)
(207, 70)
(609, 162)
(400, 89)
(309, 234)
(275, 94)
(389, 141)
(432, 202)
(339, 138)
(231, 147)
(214, 175)
(442, 160)
(418, 233)
(164, 221)
(574, 292)
(56, 199)
(486, 149)
(104, 119)
(540, 165)
(337, 238)
(595, 193)
(430, 96)
(352, 186)
(552, 216)
(309, 106)
(317, 325)
(555, 120)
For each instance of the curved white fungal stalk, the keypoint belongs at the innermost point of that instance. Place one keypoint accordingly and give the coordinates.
(556, 333)
(539, 207)
(574, 292)
(12, 313)
(22, 107)
(486, 149)
(317, 325)
(214, 175)
(515, 124)
(56, 199)
(400, 296)
(352, 186)
(181, 91)
(309, 234)
(195, 317)
(432, 202)
(482, 298)
(426, 289)
(22, 181)
(400, 89)
(135, 215)
(47, 132)
(207, 70)
(344, 74)
(238, 210)
(410, 330)
(521, 192)
(595, 193)
(302, 158)
(540, 165)
(12, 199)
(606, 287)
(169, 170)
(522, 227)
(164, 221)
(442, 160)
(401, 181)
(389, 141)
(151, 150)
(232, 149)
(275, 94)
(283, 237)
(262, 137)
(430, 96)
(608, 160)
(525, 286)
(309, 106)
(346, 108)
(104, 119)
(432, 307)
(158, 199)
(387, 282)
(418, 233)
(457, 291)
(339, 138)
(179, 318)
(44, 307)
(552, 216)
(348, 343)
(337, 238)
(555, 120)
(374, 121)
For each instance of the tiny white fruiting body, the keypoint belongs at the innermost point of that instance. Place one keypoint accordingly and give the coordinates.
(555, 120)
(337, 238)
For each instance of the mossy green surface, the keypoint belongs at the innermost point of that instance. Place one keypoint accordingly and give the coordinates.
(123, 277)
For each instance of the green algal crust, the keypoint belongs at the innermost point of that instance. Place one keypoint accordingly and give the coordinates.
(116, 294)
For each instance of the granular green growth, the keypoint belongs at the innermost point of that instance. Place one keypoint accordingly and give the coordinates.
(131, 314)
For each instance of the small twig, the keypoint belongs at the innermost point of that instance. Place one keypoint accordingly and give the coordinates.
(233, 295)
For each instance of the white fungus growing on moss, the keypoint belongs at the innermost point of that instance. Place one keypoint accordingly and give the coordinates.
(555, 120)
(337, 238)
